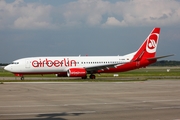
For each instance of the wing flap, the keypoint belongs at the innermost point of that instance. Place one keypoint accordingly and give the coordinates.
(100, 67)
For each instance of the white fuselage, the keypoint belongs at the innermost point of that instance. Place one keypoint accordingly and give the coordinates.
(62, 64)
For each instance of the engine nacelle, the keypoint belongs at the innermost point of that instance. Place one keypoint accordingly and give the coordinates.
(76, 72)
(61, 74)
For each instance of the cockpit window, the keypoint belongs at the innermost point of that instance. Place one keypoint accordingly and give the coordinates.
(15, 63)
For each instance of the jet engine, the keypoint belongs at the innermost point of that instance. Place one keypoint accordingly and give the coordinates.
(76, 72)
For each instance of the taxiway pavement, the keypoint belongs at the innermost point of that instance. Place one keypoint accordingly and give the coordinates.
(147, 100)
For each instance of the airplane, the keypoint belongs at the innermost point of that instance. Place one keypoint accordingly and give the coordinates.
(80, 66)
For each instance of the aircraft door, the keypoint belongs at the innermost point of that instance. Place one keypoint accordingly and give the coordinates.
(27, 63)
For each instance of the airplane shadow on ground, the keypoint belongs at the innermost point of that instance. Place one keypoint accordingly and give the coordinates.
(51, 116)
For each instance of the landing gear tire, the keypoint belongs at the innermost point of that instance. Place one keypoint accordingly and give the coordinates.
(92, 76)
(22, 77)
(85, 77)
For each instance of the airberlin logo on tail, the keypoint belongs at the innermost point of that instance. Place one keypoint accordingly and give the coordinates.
(152, 43)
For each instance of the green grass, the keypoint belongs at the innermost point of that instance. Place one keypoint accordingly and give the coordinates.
(148, 72)
(152, 72)
(134, 75)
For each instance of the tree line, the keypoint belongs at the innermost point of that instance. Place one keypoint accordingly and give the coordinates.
(3, 64)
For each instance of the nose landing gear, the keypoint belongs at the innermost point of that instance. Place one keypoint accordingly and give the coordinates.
(22, 77)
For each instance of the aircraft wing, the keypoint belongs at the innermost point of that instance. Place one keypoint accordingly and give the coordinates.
(114, 65)
(101, 67)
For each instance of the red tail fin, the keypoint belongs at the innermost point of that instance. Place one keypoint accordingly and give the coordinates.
(148, 48)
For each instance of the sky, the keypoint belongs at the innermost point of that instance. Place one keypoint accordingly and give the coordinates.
(86, 27)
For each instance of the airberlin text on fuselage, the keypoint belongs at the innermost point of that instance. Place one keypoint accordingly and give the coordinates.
(53, 63)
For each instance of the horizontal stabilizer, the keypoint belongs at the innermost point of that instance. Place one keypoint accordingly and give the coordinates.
(155, 58)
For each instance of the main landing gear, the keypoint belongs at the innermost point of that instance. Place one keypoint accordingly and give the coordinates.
(92, 76)
(85, 77)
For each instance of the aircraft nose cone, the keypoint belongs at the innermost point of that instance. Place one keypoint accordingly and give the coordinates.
(7, 68)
